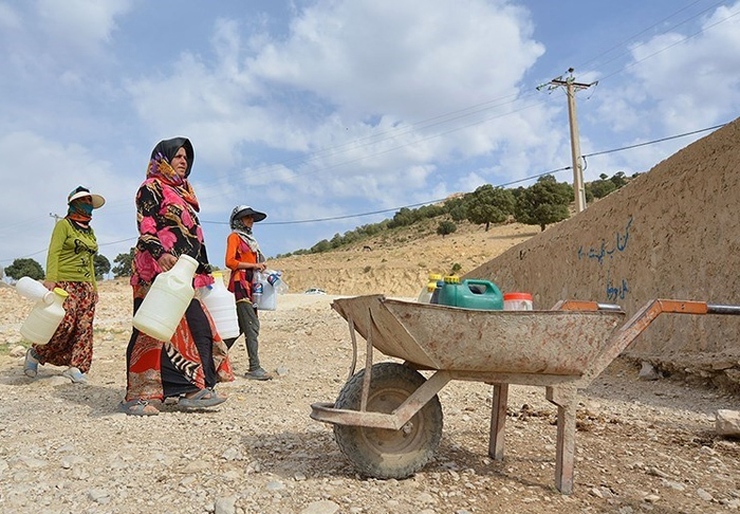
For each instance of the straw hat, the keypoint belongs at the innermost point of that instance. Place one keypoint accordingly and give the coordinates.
(81, 192)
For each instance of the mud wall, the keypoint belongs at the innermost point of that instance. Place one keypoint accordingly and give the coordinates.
(673, 232)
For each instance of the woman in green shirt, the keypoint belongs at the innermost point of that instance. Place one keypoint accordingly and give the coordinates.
(70, 266)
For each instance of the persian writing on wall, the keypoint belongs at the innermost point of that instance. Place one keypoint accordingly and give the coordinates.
(602, 255)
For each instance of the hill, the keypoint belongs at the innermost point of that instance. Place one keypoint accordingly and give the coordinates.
(397, 262)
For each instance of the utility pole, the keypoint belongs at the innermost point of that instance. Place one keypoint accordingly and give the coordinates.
(571, 86)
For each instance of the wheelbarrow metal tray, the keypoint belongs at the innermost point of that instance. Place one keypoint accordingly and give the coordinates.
(449, 338)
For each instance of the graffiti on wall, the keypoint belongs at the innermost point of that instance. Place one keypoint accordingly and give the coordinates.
(616, 289)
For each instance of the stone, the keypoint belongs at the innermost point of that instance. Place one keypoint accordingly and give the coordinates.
(321, 507)
(648, 372)
(727, 422)
(225, 505)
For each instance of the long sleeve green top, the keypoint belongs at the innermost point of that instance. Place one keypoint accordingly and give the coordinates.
(71, 255)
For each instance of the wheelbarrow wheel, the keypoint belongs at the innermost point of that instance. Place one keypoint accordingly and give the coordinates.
(383, 453)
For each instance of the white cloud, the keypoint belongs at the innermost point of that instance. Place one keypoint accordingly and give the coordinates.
(684, 82)
(398, 57)
(83, 24)
(346, 87)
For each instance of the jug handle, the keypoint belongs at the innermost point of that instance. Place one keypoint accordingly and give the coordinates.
(478, 282)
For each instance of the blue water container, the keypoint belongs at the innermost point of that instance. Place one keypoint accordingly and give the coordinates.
(471, 293)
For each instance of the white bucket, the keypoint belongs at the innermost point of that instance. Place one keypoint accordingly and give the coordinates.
(221, 305)
(518, 302)
(167, 300)
(45, 317)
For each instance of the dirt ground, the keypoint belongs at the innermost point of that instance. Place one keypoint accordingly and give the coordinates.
(641, 446)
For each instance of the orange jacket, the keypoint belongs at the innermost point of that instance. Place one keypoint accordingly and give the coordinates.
(238, 251)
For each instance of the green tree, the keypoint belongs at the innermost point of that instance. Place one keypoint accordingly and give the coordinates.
(403, 218)
(124, 264)
(430, 211)
(321, 246)
(619, 180)
(544, 202)
(446, 227)
(488, 204)
(459, 212)
(101, 265)
(336, 241)
(25, 268)
(600, 188)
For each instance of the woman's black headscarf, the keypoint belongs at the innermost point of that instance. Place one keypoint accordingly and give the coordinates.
(169, 147)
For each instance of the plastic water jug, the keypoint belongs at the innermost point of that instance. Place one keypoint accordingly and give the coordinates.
(221, 305)
(435, 294)
(168, 298)
(518, 302)
(45, 316)
(31, 289)
(448, 291)
(472, 293)
(275, 279)
(425, 296)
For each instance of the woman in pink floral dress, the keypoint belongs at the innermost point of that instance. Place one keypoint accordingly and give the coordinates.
(188, 366)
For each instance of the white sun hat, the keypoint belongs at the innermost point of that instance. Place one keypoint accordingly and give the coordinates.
(81, 192)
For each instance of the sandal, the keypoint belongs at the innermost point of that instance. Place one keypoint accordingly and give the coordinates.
(75, 375)
(138, 408)
(204, 398)
(31, 364)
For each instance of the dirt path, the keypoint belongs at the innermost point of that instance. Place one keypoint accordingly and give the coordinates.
(641, 446)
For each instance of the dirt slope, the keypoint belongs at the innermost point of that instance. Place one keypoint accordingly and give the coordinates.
(397, 264)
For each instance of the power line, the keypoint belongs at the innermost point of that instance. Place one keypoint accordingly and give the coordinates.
(382, 211)
(525, 179)
(636, 35)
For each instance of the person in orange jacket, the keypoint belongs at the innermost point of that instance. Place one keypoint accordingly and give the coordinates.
(243, 258)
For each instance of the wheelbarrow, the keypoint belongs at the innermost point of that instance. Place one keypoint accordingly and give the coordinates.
(387, 418)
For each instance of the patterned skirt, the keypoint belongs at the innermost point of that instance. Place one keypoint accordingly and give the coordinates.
(196, 357)
(72, 343)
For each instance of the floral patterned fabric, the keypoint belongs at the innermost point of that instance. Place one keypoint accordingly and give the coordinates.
(166, 212)
(72, 343)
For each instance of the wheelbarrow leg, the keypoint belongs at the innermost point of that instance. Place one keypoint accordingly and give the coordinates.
(565, 399)
(498, 421)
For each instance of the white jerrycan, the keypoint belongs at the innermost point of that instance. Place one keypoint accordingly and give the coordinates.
(221, 305)
(31, 289)
(167, 300)
(45, 316)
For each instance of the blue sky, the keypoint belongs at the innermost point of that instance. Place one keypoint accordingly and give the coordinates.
(330, 110)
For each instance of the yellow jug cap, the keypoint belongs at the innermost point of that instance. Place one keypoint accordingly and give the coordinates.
(61, 292)
(452, 279)
(217, 274)
(435, 276)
